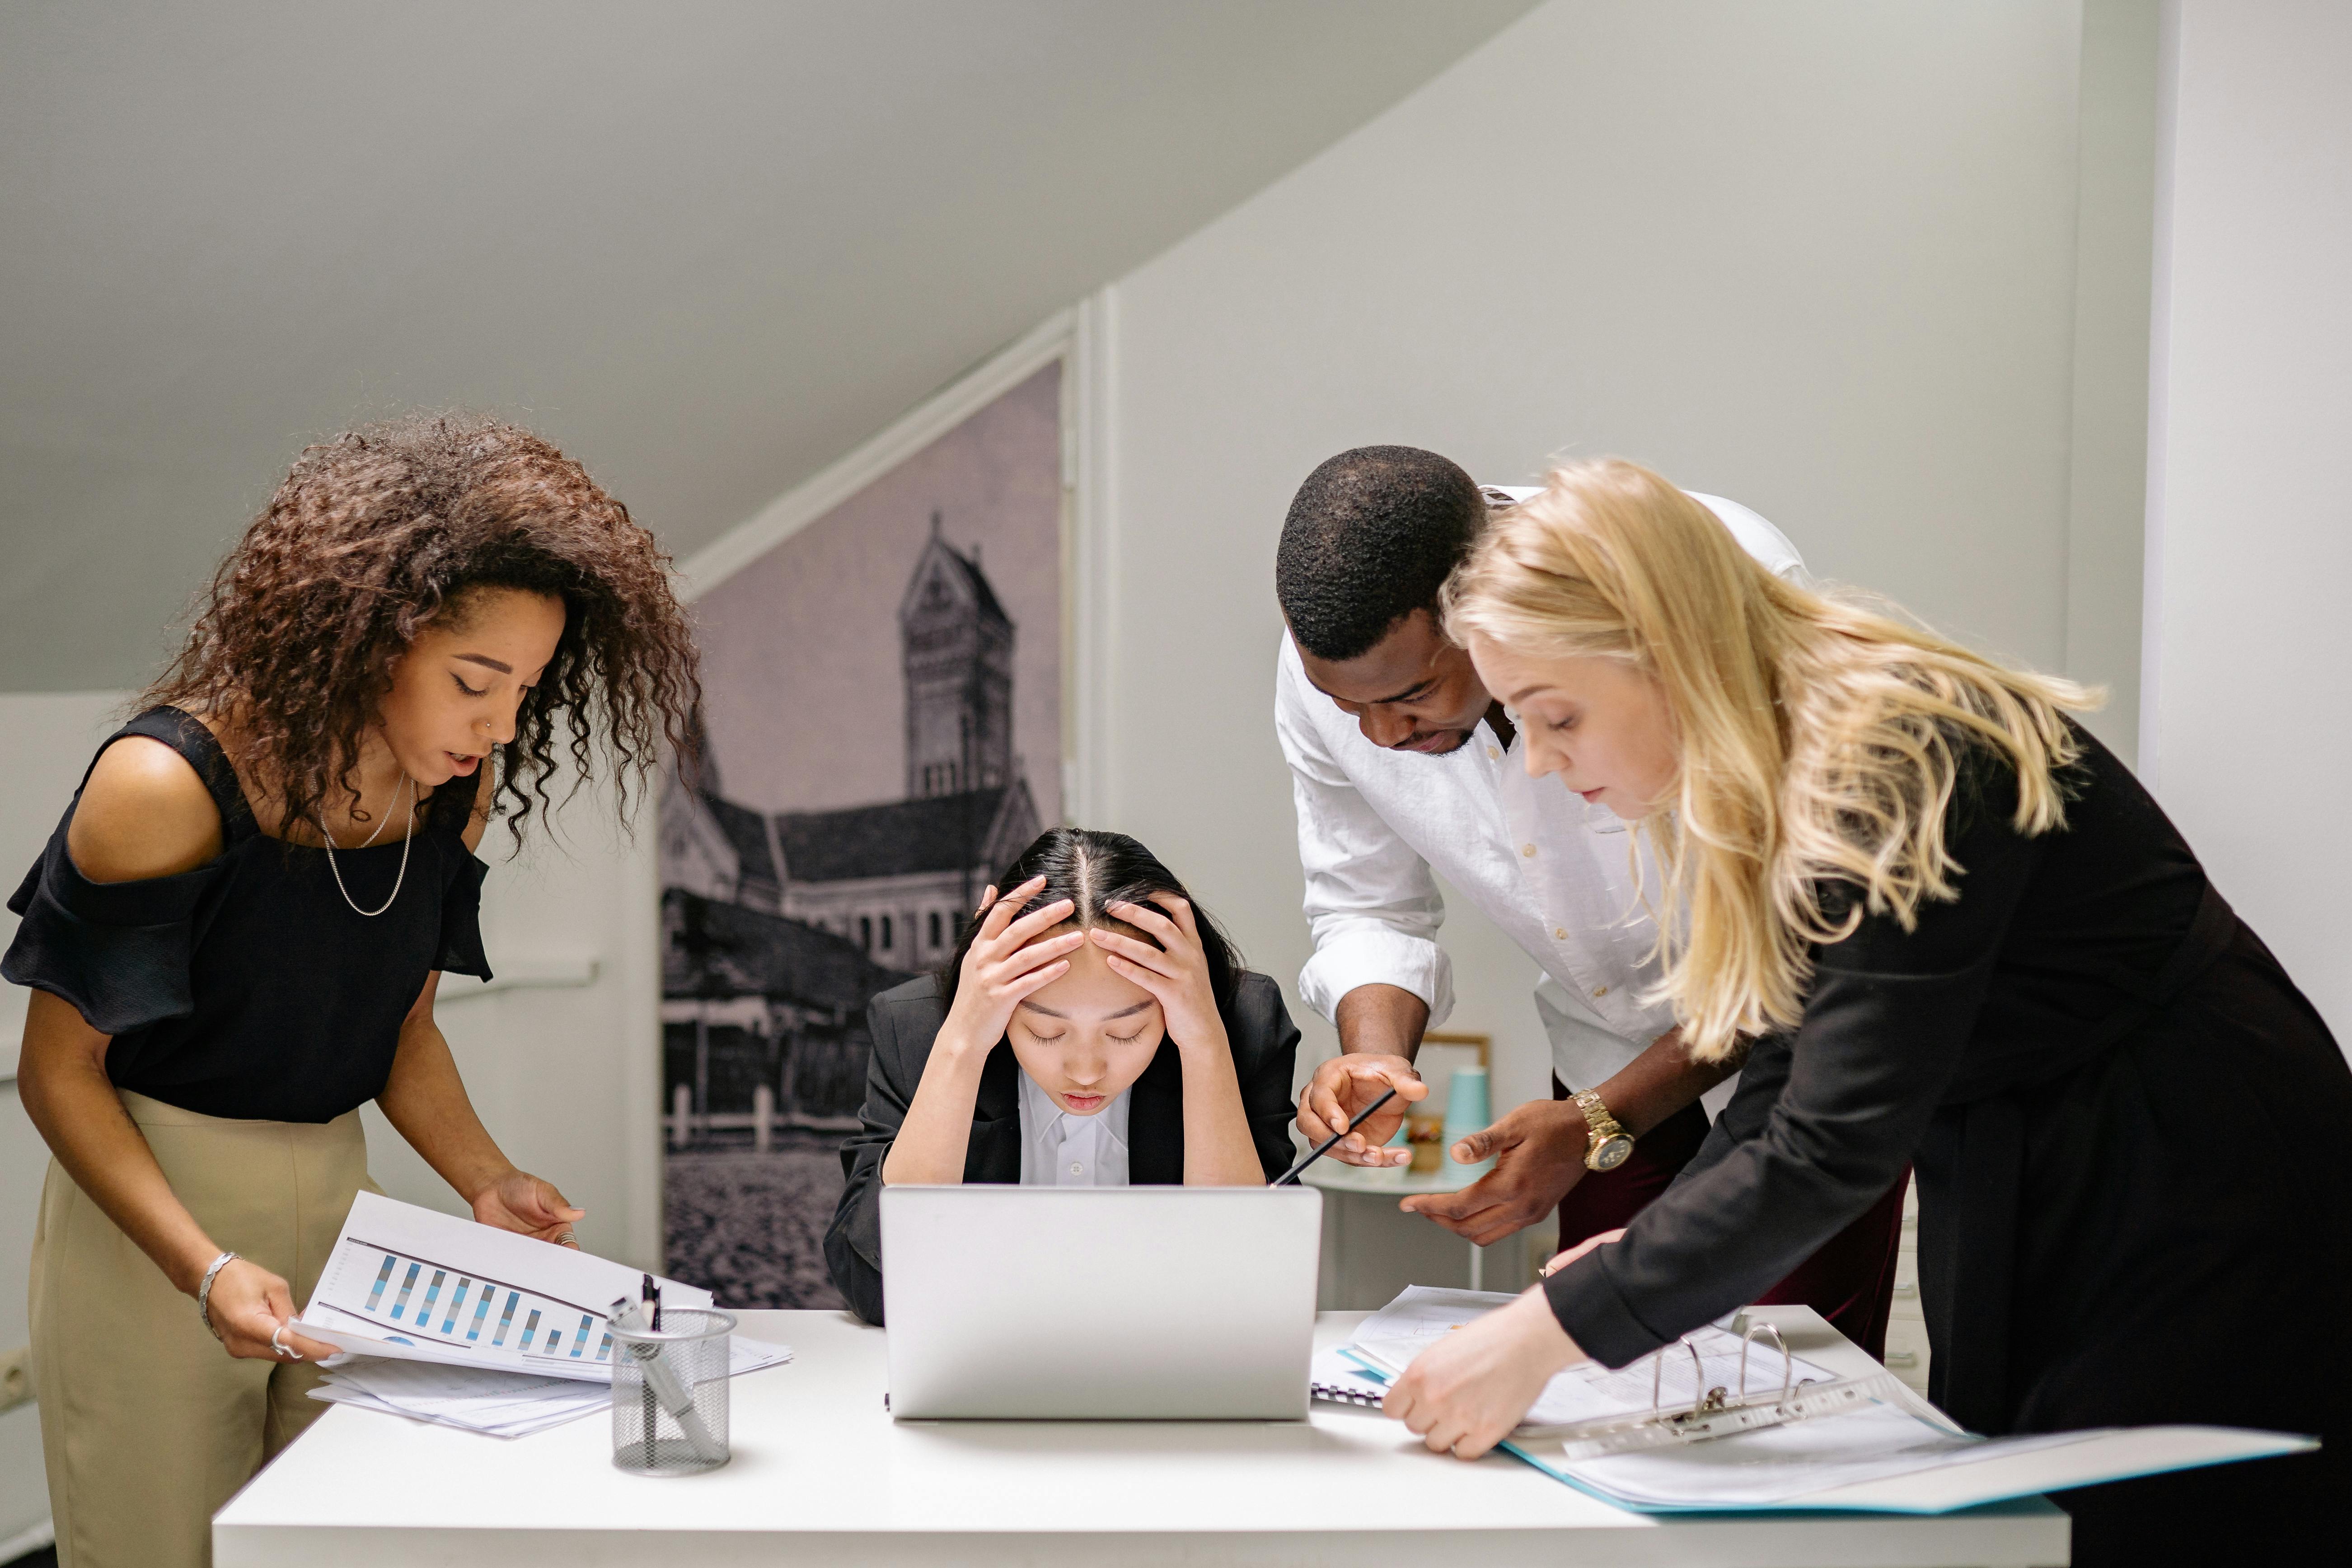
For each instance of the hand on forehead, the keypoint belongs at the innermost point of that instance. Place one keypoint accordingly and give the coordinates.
(1091, 993)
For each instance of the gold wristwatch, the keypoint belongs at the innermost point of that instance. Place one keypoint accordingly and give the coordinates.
(1607, 1145)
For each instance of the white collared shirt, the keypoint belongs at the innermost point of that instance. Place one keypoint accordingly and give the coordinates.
(1553, 872)
(1059, 1150)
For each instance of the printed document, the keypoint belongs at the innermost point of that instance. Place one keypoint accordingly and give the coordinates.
(417, 1285)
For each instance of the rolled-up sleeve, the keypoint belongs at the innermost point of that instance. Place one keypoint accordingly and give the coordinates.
(1372, 903)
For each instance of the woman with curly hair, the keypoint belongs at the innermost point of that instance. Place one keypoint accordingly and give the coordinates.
(1945, 927)
(236, 933)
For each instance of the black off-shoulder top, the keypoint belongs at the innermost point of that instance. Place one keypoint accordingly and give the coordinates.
(249, 988)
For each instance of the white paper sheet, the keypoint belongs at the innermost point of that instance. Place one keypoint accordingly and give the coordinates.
(498, 1402)
(412, 1284)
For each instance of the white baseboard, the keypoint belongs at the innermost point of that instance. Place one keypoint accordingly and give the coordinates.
(30, 1539)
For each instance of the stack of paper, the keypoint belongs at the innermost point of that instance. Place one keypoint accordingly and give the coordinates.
(497, 1403)
(489, 1400)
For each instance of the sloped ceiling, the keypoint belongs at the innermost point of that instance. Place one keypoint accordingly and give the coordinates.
(707, 247)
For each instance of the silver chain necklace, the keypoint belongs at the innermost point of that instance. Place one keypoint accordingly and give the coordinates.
(408, 839)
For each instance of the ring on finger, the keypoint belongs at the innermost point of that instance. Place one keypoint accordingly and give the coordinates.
(277, 1342)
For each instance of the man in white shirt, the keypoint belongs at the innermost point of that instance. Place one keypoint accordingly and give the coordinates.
(1404, 769)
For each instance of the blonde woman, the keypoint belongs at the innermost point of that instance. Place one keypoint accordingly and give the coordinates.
(1946, 926)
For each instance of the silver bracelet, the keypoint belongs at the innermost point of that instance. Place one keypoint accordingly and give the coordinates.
(205, 1292)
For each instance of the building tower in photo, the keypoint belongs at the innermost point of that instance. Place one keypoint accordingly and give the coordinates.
(957, 646)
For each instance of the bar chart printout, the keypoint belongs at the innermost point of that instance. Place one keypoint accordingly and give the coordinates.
(417, 1297)
(411, 1282)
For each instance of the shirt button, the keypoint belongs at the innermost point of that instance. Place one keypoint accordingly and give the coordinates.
(1528, 849)
(1559, 934)
(1078, 1170)
(1601, 991)
(1494, 750)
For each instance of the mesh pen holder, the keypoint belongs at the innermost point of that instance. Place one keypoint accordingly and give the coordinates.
(669, 1394)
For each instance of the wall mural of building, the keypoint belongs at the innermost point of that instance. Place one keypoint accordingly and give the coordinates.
(793, 887)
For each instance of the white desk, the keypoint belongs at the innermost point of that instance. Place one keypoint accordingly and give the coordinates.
(821, 1475)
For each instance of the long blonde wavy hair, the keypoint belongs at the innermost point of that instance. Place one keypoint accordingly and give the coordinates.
(1819, 741)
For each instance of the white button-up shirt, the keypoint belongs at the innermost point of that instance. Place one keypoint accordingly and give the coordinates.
(1059, 1150)
(1554, 873)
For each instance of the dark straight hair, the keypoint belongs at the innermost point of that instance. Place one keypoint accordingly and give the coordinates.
(1094, 870)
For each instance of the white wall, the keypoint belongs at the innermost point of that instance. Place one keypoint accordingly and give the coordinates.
(1822, 258)
(559, 1053)
(2245, 733)
(45, 741)
(2108, 466)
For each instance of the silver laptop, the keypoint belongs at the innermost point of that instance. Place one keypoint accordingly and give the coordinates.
(1100, 1303)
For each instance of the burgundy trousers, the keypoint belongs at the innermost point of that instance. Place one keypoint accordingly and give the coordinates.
(1850, 1280)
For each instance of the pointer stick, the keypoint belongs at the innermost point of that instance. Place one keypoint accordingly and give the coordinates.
(1290, 1177)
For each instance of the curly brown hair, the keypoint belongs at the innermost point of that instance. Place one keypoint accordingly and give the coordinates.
(378, 531)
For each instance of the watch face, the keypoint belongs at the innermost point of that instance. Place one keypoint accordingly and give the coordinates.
(1612, 1153)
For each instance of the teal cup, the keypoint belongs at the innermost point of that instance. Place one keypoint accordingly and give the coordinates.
(1468, 1108)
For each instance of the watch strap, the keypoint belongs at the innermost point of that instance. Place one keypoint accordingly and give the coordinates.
(1597, 1118)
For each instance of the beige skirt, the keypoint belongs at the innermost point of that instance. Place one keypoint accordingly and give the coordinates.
(147, 1425)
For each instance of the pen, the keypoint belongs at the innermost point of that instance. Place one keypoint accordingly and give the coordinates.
(645, 1293)
(664, 1387)
(1290, 1176)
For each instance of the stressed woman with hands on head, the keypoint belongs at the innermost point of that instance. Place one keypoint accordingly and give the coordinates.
(1094, 1028)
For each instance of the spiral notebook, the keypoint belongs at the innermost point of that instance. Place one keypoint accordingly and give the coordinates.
(1338, 1377)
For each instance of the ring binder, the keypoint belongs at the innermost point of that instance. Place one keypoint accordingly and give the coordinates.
(1871, 1445)
(1719, 1407)
(1717, 1412)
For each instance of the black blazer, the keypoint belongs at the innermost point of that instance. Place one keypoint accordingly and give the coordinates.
(905, 1020)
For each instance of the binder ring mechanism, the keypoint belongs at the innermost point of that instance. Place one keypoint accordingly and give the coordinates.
(1717, 1412)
